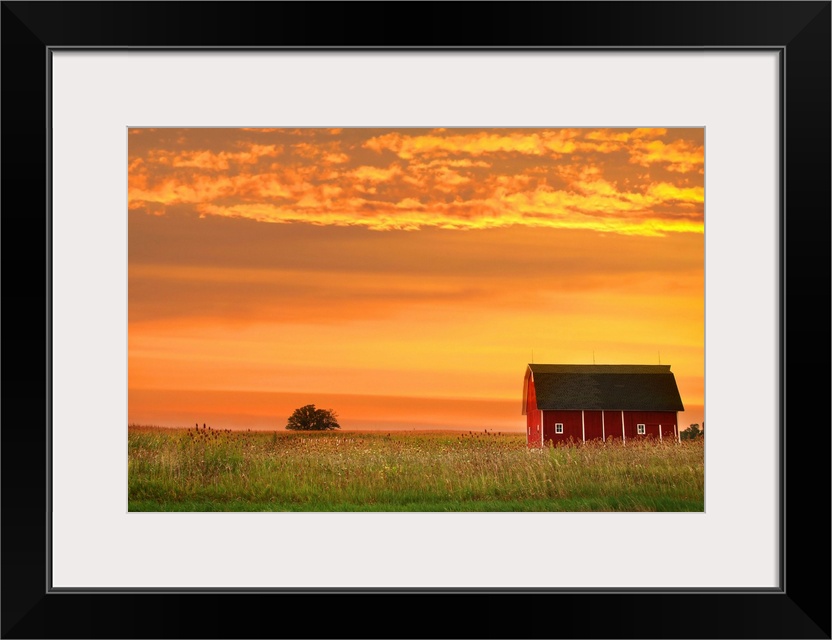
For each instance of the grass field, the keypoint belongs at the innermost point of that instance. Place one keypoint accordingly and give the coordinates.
(211, 470)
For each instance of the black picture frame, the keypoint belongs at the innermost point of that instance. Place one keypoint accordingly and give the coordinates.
(799, 608)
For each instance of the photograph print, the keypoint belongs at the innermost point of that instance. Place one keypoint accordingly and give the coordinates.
(416, 319)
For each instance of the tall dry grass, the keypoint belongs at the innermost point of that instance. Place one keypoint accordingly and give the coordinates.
(207, 469)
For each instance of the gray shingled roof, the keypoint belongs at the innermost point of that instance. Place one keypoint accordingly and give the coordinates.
(630, 387)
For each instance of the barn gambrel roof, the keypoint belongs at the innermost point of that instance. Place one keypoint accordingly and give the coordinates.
(628, 387)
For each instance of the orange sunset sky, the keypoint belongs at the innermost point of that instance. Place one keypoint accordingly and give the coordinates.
(405, 277)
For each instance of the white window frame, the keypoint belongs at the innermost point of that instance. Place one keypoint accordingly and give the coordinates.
(558, 427)
(641, 429)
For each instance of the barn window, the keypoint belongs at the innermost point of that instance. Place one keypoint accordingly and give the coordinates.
(641, 429)
(558, 427)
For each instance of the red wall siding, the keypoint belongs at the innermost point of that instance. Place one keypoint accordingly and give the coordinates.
(651, 421)
(532, 417)
(571, 426)
(592, 425)
(571, 421)
(669, 430)
(612, 425)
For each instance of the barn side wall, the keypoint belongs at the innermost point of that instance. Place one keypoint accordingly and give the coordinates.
(593, 429)
(592, 425)
(571, 421)
(532, 417)
(651, 421)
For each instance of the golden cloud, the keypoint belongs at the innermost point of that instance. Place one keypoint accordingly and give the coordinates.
(554, 142)
(680, 155)
(439, 181)
(213, 161)
(374, 175)
(600, 208)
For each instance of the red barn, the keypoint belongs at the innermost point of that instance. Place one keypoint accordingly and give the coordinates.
(599, 402)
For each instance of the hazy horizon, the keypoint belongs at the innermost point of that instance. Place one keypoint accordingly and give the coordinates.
(265, 411)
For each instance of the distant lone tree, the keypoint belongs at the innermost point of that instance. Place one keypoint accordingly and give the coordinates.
(308, 418)
(692, 432)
